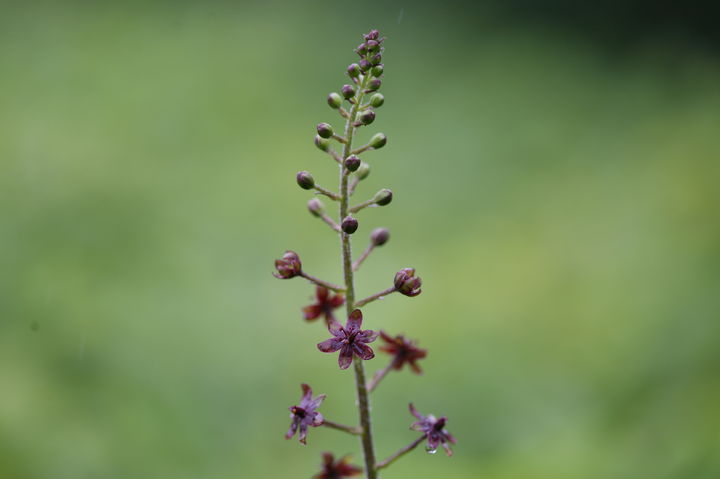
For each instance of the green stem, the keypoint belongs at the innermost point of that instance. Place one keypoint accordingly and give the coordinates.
(401, 453)
(360, 384)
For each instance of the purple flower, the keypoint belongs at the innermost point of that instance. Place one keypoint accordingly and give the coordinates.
(403, 351)
(324, 305)
(349, 340)
(434, 430)
(336, 469)
(305, 414)
(288, 266)
(407, 283)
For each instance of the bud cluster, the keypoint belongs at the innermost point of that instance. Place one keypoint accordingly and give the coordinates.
(356, 103)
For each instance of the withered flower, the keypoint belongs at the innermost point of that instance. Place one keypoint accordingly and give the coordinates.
(324, 305)
(349, 340)
(407, 283)
(336, 469)
(403, 351)
(288, 266)
(434, 430)
(305, 414)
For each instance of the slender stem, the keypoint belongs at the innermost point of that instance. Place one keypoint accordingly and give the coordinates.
(400, 453)
(340, 139)
(324, 284)
(355, 431)
(379, 376)
(327, 193)
(330, 222)
(335, 156)
(363, 256)
(353, 185)
(375, 296)
(361, 149)
(362, 205)
(360, 384)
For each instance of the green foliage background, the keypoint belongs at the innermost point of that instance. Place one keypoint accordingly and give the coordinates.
(558, 197)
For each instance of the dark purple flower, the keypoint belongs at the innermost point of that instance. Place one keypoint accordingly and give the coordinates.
(288, 266)
(324, 305)
(305, 415)
(403, 351)
(349, 340)
(434, 430)
(407, 283)
(336, 469)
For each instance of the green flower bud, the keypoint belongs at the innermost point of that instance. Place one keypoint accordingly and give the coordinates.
(378, 140)
(383, 197)
(322, 143)
(305, 180)
(377, 70)
(374, 84)
(353, 70)
(325, 130)
(334, 100)
(363, 171)
(348, 91)
(377, 100)
(315, 207)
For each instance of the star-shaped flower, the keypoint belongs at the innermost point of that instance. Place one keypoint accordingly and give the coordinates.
(403, 351)
(349, 340)
(305, 414)
(324, 305)
(434, 430)
(336, 469)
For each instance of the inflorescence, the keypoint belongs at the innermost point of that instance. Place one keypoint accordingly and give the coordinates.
(356, 103)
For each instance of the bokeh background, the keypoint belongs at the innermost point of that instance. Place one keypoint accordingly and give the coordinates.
(555, 168)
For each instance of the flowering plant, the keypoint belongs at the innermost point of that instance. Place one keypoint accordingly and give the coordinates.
(356, 103)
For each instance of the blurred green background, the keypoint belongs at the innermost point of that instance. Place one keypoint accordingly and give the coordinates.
(556, 187)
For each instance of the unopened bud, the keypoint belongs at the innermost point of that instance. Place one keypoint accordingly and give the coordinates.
(322, 143)
(374, 84)
(407, 283)
(334, 100)
(365, 65)
(352, 163)
(377, 70)
(367, 117)
(376, 60)
(353, 70)
(315, 207)
(383, 197)
(288, 266)
(348, 91)
(325, 130)
(378, 140)
(372, 46)
(362, 49)
(305, 180)
(349, 225)
(379, 236)
(363, 171)
(372, 35)
(377, 100)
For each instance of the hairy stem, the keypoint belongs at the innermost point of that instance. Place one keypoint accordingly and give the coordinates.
(360, 384)
(375, 296)
(379, 376)
(356, 431)
(363, 256)
(327, 193)
(324, 284)
(400, 453)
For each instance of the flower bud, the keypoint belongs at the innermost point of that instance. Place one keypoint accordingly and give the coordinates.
(383, 197)
(378, 140)
(377, 100)
(349, 225)
(363, 171)
(377, 70)
(372, 46)
(348, 91)
(315, 207)
(372, 35)
(407, 283)
(305, 180)
(288, 266)
(362, 49)
(374, 84)
(322, 143)
(353, 70)
(376, 60)
(324, 130)
(379, 236)
(352, 163)
(365, 65)
(334, 100)
(367, 117)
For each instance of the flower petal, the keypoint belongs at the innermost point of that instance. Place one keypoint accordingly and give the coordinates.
(345, 357)
(303, 434)
(337, 301)
(367, 336)
(330, 345)
(363, 351)
(354, 321)
(307, 392)
(292, 430)
(318, 420)
(321, 293)
(413, 365)
(335, 328)
(448, 451)
(311, 312)
(315, 403)
(415, 412)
